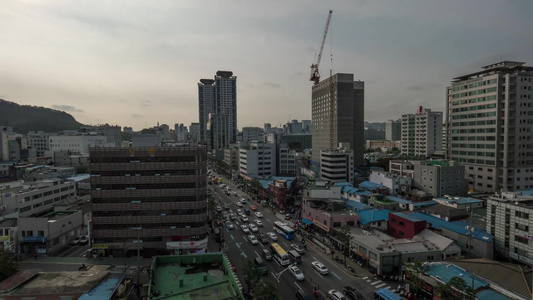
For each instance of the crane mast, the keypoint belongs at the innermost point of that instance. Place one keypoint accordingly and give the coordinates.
(315, 75)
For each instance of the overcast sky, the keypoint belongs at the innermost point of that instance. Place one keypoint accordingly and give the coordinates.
(136, 63)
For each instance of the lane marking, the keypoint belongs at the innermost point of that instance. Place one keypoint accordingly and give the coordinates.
(375, 282)
(231, 235)
(274, 276)
(297, 285)
(378, 286)
(336, 275)
(365, 277)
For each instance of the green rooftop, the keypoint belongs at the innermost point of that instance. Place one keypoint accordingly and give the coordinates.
(196, 276)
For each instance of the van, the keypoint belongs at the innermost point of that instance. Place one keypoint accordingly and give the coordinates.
(295, 256)
(259, 264)
(247, 211)
(266, 255)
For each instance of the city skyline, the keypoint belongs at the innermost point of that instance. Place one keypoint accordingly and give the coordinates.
(136, 64)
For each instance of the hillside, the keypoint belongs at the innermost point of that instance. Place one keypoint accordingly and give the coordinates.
(24, 118)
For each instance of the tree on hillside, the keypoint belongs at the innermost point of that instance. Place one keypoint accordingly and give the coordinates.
(265, 290)
(8, 265)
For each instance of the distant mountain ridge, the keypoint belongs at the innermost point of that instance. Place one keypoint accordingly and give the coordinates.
(25, 118)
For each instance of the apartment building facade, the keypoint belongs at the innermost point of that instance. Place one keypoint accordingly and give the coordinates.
(421, 133)
(489, 126)
(259, 159)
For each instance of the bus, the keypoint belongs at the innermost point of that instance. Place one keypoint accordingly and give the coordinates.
(385, 294)
(279, 254)
(284, 230)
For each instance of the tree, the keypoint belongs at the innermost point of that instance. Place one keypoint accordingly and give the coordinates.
(413, 272)
(456, 288)
(252, 275)
(265, 290)
(345, 236)
(8, 265)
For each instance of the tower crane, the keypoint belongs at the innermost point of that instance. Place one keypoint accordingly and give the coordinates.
(315, 75)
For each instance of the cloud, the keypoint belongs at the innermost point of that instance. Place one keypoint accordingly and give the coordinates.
(146, 103)
(271, 85)
(137, 116)
(68, 108)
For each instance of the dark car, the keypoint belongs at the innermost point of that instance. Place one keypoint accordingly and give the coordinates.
(301, 295)
(262, 238)
(349, 292)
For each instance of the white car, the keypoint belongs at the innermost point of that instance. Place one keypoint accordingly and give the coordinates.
(272, 236)
(253, 228)
(299, 248)
(258, 214)
(229, 225)
(239, 211)
(253, 239)
(242, 200)
(295, 271)
(239, 204)
(320, 268)
(335, 295)
(258, 223)
(245, 229)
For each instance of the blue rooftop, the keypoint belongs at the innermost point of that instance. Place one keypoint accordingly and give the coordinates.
(448, 271)
(354, 191)
(491, 295)
(105, 289)
(399, 200)
(367, 185)
(372, 215)
(438, 223)
(356, 205)
(265, 182)
(425, 203)
(461, 200)
(342, 184)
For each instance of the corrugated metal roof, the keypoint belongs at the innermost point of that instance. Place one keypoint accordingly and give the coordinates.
(372, 215)
(357, 205)
(438, 223)
(491, 295)
(370, 185)
(397, 199)
(447, 271)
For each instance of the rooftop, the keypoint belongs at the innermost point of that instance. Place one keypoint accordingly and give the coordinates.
(370, 186)
(56, 215)
(438, 224)
(397, 199)
(265, 182)
(444, 272)
(373, 215)
(406, 216)
(198, 276)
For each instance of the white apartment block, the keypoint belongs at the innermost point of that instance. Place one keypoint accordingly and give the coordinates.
(76, 143)
(337, 165)
(490, 126)
(509, 220)
(259, 159)
(40, 141)
(421, 133)
(396, 184)
(252, 134)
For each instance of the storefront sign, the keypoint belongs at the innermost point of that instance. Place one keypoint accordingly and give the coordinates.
(4, 238)
(100, 246)
(321, 226)
(187, 244)
(35, 239)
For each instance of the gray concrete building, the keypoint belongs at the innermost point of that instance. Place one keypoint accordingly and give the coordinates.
(393, 130)
(348, 115)
(489, 126)
(440, 177)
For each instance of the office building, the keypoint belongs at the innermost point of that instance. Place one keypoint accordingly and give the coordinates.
(252, 134)
(206, 104)
(440, 177)
(348, 115)
(194, 132)
(156, 195)
(489, 126)
(258, 160)
(373, 135)
(421, 133)
(337, 165)
(393, 130)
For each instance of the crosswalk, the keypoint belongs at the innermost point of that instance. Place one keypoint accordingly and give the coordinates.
(377, 284)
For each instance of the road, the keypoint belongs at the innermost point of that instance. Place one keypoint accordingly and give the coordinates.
(240, 250)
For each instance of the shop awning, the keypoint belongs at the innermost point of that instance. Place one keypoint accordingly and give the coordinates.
(307, 221)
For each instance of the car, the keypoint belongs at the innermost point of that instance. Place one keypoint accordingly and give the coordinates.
(258, 223)
(229, 225)
(84, 240)
(253, 207)
(320, 268)
(75, 241)
(301, 295)
(226, 206)
(296, 273)
(219, 209)
(282, 212)
(299, 248)
(287, 216)
(253, 228)
(262, 238)
(242, 200)
(266, 254)
(349, 292)
(253, 239)
(222, 186)
(232, 217)
(234, 193)
(244, 219)
(239, 211)
(245, 229)
(335, 295)
(258, 214)
(272, 236)
(239, 204)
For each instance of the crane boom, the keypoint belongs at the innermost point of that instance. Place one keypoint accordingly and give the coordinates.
(315, 75)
